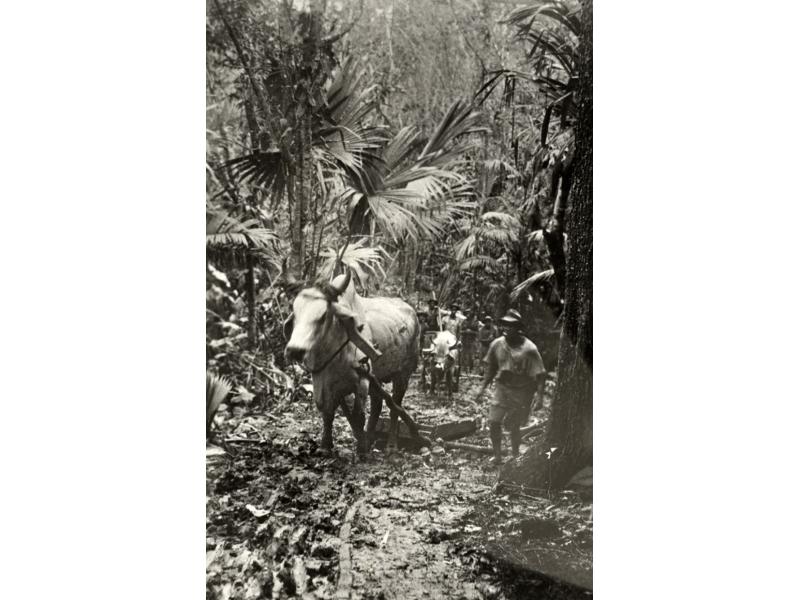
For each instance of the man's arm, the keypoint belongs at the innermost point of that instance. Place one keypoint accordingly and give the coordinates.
(491, 371)
(538, 395)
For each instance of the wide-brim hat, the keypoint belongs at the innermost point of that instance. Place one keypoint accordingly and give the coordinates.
(512, 317)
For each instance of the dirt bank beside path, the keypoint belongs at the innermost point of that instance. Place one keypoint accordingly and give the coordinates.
(283, 522)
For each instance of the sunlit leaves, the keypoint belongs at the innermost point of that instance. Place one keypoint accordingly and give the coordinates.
(364, 261)
(217, 389)
(223, 230)
(413, 195)
(536, 279)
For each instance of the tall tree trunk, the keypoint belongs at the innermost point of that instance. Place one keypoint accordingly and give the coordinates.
(250, 291)
(297, 200)
(570, 427)
(553, 233)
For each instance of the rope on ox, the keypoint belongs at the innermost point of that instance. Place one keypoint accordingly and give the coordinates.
(393, 406)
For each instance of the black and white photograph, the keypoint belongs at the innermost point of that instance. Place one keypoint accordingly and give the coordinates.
(399, 299)
(421, 219)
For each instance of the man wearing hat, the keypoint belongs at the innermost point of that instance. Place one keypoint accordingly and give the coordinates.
(519, 369)
(451, 322)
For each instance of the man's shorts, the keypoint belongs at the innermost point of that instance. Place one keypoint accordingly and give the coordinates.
(510, 406)
(509, 417)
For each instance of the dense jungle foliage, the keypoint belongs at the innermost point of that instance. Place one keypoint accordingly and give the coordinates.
(430, 146)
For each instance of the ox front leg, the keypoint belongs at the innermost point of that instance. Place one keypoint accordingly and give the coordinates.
(326, 447)
(356, 417)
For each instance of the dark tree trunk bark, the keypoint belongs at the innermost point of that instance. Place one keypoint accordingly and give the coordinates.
(570, 427)
(553, 234)
(297, 201)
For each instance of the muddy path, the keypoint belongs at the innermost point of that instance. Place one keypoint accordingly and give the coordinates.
(284, 522)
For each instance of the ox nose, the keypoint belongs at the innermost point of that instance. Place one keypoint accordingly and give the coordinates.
(294, 354)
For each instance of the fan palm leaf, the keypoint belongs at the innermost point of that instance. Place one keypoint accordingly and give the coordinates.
(224, 231)
(364, 261)
(339, 139)
(416, 195)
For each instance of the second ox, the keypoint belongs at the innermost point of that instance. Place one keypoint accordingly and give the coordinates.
(333, 330)
(442, 362)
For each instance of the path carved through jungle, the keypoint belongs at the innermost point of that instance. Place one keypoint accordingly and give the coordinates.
(284, 522)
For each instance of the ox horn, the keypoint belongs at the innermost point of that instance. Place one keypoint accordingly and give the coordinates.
(343, 286)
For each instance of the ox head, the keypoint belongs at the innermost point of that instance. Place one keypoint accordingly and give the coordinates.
(443, 351)
(312, 330)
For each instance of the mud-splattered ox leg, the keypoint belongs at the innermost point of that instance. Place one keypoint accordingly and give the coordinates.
(326, 447)
(375, 407)
(399, 386)
(356, 416)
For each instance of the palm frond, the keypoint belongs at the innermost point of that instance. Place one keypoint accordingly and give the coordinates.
(535, 236)
(460, 119)
(530, 282)
(224, 231)
(503, 219)
(560, 12)
(217, 389)
(465, 247)
(339, 137)
(364, 261)
(266, 168)
(478, 261)
(406, 198)
(500, 236)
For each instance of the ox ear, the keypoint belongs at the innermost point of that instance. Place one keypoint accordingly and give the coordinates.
(288, 326)
(348, 320)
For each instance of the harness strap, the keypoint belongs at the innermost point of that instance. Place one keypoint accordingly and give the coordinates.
(327, 362)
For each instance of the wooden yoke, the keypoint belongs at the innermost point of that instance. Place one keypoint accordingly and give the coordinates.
(348, 320)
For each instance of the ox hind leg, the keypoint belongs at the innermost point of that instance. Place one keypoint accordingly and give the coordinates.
(449, 384)
(375, 408)
(399, 387)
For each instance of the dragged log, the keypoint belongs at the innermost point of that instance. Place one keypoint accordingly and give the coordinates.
(467, 447)
(406, 440)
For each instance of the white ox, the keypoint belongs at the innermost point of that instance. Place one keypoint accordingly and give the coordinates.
(332, 332)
